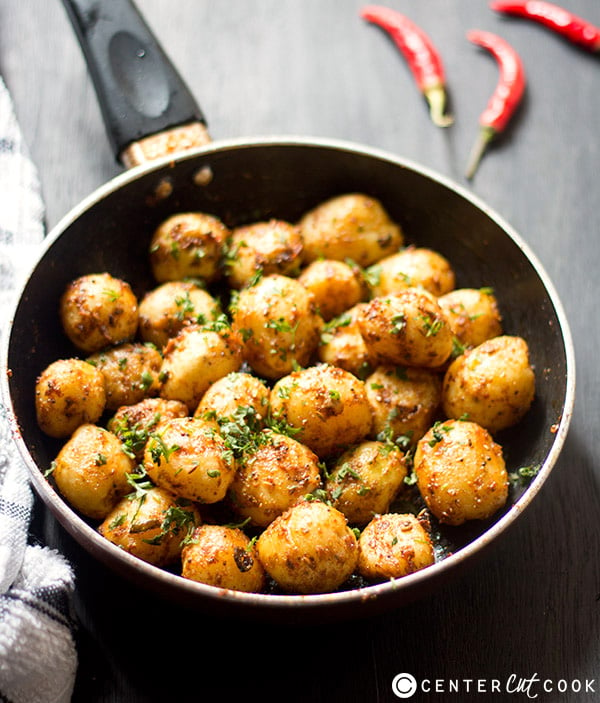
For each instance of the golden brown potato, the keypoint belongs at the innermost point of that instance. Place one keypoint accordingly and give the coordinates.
(473, 315)
(151, 524)
(262, 248)
(392, 546)
(336, 286)
(236, 390)
(412, 267)
(404, 401)
(166, 309)
(68, 393)
(308, 549)
(133, 423)
(277, 320)
(190, 459)
(326, 407)
(460, 472)
(272, 476)
(188, 245)
(492, 384)
(342, 344)
(91, 471)
(365, 480)
(196, 358)
(350, 226)
(98, 310)
(408, 328)
(223, 557)
(131, 373)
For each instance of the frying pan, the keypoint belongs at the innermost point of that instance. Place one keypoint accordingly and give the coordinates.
(243, 181)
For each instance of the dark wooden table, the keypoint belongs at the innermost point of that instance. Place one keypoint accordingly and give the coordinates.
(531, 607)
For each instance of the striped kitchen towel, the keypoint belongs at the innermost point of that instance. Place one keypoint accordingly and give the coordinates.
(38, 657)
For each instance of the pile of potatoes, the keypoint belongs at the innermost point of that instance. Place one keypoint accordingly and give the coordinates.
(253, 420)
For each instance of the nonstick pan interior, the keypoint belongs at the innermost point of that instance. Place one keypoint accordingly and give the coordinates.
(243, 182)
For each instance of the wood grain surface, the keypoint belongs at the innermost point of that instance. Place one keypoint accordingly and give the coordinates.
(531, 606)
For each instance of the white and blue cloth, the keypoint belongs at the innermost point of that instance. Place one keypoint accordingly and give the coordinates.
(38, 656)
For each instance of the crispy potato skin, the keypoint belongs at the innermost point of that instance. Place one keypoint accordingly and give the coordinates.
(189, 458)
(404, 400)
(392, 546)
(223, 557)
(492, 384)
(164, 310)
(140, 525)
(473, 315)
(460, 472)
(336, 286)
(131, 373)
(272, 246)
(98, 310)
(365, 480)
(273, 477)
(413, 267)
(278, 322)
(408, 328)
(309, 549)
(91, 470)
(350, 226)
(68, 393)
(188, 245)
(196, 358)
(326, 405)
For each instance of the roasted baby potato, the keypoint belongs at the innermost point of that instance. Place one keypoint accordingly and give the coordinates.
(188, 245)
(131, 373)
(308, 549)
(262, 248)
(152, 524)
(326, 408)
(91, 471)
(68, 393)
(336, 286)
(343, 345)
(473, 315)
(223, 557)
(98, 310)
(164, 310)
(365, 479)
(278, 323)
(413, 266)
(273, 475)
(404, 401)
(132, 424)
(236, 390)
(196, 358)
(408, 328)
(189, 458)
(350, 226)
(460, 472)
(393, 545)
(492, 384)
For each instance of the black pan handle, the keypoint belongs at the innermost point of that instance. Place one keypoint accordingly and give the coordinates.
(138, 88)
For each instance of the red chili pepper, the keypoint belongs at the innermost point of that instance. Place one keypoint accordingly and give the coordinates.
(563, 22)
(422, 56)
(506, 96)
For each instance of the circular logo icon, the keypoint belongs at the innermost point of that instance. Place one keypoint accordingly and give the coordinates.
(404, 685)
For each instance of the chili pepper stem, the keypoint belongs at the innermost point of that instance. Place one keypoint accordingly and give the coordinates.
(486, 134)
(436, 98)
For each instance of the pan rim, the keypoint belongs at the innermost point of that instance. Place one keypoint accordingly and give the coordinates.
(365, 594)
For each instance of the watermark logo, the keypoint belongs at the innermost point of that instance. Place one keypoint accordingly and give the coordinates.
(404, 685)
